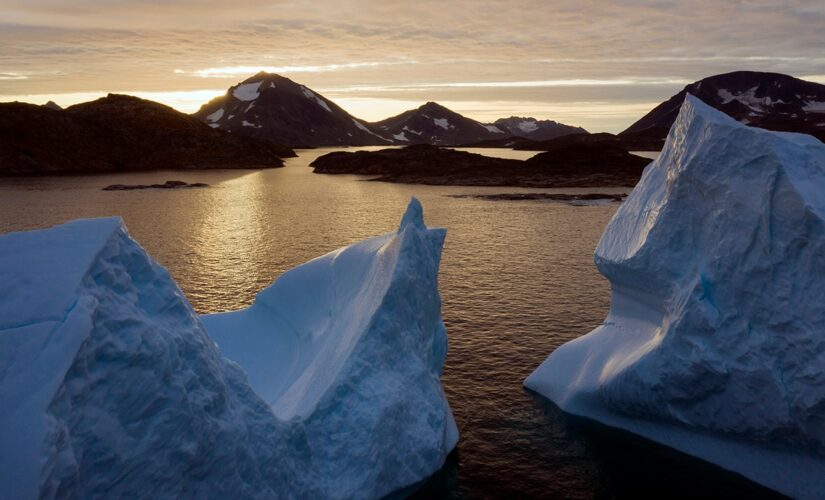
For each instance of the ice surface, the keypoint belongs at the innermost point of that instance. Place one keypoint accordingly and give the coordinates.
(247, 91)
(110, 385)
(714, 342)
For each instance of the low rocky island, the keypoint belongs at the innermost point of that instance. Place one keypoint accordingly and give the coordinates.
(583, 199)
(569, 165)
(165, 185)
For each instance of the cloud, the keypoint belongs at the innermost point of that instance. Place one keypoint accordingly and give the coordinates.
(244, 71)
(526, 51)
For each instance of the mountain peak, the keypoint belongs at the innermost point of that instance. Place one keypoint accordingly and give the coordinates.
(53, 105)
(433, 106)
(769, 100)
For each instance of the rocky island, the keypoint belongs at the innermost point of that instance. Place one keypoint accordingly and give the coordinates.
(569, 165)
(120, 133)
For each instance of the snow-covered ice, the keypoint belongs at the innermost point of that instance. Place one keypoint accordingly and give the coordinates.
(715, 341)
(247, 91)
(111, 386)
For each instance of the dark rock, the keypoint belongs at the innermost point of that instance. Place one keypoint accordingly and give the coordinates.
(511, 142)
(165, 185)
(119, 133)
(544, 196)
(573, 165)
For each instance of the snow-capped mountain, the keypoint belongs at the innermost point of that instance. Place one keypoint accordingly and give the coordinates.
(273, 107)
(767, 100)
(432, 123)
(539, 130)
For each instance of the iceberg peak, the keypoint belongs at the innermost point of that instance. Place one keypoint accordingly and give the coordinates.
(328, 386)
(414, 215)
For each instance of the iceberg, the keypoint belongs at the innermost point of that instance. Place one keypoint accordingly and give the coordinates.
(715, 340)
(328, 386)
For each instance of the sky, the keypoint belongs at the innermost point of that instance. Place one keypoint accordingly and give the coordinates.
(596, 64)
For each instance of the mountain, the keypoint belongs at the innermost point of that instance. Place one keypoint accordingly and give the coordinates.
(538, 130)
(120, 132)
(432, 123)
(767, 100)
(272, 107)
(53, 105)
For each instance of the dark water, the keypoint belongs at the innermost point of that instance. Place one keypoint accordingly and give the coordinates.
(517, 280)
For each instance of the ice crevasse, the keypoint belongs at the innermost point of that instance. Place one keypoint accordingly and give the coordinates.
(715, 340)
(328, 386)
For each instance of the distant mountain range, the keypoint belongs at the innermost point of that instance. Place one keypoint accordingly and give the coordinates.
(434, 124)
(767, 100)
(248, 126)
(117, 133)
(273, 107)
(537, 130)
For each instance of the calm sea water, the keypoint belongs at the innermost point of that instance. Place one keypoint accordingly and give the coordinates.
(517, 280)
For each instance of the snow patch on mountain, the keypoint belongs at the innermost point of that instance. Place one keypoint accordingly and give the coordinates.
(442, 122)
(493, 128)
(400, 137)
(216, 116)
(312, 96)
(814, 107)
(247, 91)
(528, 126)
(361, 126)
(713, 344)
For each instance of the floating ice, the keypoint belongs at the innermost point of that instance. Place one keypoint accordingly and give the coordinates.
(715, 341)
(110, 385)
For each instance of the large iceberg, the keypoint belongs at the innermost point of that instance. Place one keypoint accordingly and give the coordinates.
(110, 385)
(715, 341)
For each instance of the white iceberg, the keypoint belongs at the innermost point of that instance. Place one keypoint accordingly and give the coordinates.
(110, 385)
(715, 341)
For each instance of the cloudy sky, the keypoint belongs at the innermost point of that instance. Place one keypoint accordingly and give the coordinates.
(597, 64)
